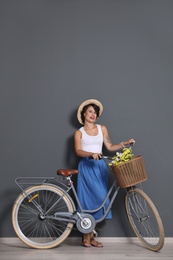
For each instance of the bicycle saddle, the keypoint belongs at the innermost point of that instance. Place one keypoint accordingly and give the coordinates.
(66, 173)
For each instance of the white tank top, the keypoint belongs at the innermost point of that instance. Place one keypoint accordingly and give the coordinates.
(92, 143)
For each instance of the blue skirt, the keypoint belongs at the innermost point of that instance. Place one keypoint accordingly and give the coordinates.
(92, 186)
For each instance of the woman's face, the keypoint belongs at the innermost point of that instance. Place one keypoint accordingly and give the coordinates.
(90, 115)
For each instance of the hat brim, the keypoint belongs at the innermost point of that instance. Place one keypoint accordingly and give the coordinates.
(87, 102)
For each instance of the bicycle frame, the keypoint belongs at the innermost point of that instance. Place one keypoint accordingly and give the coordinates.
(23, 182)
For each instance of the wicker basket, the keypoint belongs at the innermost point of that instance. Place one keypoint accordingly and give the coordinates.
(131, 172)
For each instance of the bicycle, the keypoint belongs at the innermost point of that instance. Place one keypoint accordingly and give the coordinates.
(45, 212)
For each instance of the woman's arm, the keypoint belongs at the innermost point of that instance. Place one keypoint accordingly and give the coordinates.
(77, 145)
(108, 143)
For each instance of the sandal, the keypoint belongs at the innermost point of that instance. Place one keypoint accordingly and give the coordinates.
(95, 243)
(86, 240)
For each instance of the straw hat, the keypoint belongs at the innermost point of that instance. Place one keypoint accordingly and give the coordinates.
(87, 102)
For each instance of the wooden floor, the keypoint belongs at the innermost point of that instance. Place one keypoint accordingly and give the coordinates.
(71, 249)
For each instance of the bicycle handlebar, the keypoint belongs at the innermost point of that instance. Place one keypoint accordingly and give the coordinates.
(108, 157)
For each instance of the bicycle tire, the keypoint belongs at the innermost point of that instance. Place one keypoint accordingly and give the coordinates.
(144, 219)
(31, 227)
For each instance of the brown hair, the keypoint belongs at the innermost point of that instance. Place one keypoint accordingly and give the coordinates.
(96, 109)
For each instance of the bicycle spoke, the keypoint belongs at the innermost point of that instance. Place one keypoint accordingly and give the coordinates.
(32, 216)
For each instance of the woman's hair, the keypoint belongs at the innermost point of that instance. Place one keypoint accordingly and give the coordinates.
(96, 109)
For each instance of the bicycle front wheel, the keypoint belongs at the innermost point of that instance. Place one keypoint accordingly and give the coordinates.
(144, 219)
(31, 216)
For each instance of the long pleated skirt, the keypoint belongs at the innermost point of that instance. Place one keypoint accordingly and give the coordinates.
(92, 186)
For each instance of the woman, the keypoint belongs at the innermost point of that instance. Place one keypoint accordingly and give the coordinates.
(92, 182)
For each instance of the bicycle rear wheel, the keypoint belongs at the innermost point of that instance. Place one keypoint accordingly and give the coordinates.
(31, 212)
(144, 219)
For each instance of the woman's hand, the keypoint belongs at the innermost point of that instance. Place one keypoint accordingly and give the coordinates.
(96, 156)
(130, 141)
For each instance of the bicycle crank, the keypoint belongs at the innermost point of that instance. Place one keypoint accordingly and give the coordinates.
(85, 223)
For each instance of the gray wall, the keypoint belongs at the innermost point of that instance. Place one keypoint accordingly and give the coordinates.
(57, 53)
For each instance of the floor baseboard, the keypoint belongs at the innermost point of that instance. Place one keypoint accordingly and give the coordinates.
(102, 239)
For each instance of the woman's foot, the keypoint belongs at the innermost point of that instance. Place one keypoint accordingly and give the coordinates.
(86, 240)
(95, 243)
